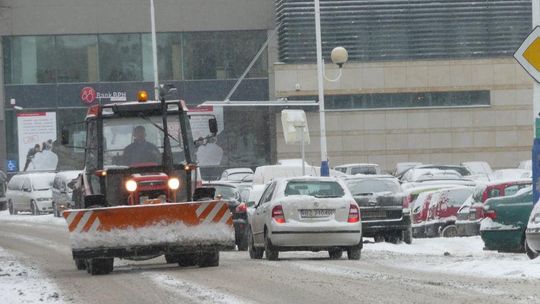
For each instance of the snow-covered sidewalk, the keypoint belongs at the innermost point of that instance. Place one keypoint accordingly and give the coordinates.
(462, 256)
(48, 219)
(24, 284)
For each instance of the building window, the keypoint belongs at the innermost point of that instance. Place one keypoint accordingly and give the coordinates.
(402, 100)
(120, 57)
(29, 60)
(77, 58)
(169, 49)
(223, 55)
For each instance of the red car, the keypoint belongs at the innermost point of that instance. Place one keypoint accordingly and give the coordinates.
(420, 212)
(443, 209)
(472, 212)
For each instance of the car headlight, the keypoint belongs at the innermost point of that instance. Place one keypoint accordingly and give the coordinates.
(173, 183)
(43, 199)
(131, 185)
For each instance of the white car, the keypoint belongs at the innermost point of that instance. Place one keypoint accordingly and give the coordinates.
(237, 175)
(30, 192)
(305, 213)
(353, 169)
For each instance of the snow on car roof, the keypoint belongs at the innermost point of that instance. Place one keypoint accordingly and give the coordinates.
(357, 165)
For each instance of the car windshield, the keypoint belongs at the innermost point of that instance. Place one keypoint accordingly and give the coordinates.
(131, 141)
(41, 183)
(240, 176)
(226, 192)
(314, 188)
(369, 186)
(364, 170)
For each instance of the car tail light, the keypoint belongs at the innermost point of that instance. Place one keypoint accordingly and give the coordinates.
(406, 201)
(490, 214)
(242, 208)
(277, 214)
(354, 214)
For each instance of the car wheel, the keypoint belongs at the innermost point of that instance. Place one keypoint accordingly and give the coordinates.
(243, 244)
(80, 263)
(449, 231)
(335, 253)
(254, 253)
(171, 258)
(272, 254)
(186, 260)
(209, 259)
(407, 235)
(100, 266)
(34, 208)
(530, 253)
(379, 238)
(353, 253)
(12, 210)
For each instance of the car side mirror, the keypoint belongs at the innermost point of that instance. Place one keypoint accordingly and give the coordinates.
(212, 125)
(26, 189)
(64, 135)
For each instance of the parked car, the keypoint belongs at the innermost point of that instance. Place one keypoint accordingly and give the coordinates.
(510, 174)
(3, 186)
(305, 213)
(505, 221)
(471, 212)
(62, 191)
(237, 175)
(353, 169)
(401, 168)
(383, 206)
(438, 177)
(442, 212)
(532, 234)
(464, 172)
(30, 192)
(230, 193)
(419, 199)
(478, 167)
(525, 165)
(264, 174)
(423, 174)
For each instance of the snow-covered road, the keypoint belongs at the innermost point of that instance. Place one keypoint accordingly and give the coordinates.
(428, 271)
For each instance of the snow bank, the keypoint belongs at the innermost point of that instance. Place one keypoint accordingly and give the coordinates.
(21, 284)
(461, 256)
(47, 219)
(195, 292)
(160, 233)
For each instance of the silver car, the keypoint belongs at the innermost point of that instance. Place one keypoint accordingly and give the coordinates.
(305, 214)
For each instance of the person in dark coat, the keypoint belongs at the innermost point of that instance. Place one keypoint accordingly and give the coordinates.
(140, 151)
(30, 155)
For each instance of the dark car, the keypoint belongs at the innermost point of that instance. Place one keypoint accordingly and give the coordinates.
(505, 221)
(383, 207)
(231, 194)
(3, 182)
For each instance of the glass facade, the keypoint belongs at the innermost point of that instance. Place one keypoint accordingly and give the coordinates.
(402, 100)
(128, 57)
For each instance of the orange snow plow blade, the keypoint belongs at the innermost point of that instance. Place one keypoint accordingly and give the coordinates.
(143, 230)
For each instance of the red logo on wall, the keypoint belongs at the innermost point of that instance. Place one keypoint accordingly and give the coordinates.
(88, 95)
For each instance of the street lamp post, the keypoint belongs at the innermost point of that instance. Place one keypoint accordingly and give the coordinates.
(339, 57)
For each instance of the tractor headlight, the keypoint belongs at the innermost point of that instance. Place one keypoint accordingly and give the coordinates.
(131, 185)
(173, 183)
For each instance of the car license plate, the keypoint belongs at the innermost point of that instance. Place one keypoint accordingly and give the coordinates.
(373, 214)
(316, 213)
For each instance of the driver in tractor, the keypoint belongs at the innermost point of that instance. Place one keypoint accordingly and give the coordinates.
(140, 151)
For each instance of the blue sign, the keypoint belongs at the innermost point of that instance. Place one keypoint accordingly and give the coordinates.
(11, 165)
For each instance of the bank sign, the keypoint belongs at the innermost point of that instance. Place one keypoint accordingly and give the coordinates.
(89, 95)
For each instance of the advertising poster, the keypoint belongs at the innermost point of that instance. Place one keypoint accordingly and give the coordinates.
(36, 134)
(209, 152)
